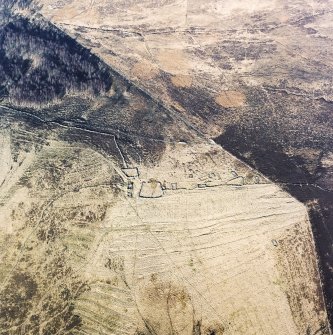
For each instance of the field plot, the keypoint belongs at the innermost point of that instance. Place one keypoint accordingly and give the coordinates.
(227, 259)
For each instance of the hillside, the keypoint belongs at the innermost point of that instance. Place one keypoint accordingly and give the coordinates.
(119, 213)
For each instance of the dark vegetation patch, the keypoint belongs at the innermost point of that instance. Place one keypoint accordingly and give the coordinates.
(39, 63)
(197, 102)
(239, 50)
(41, 301)
(16, 299)
(7, 8)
